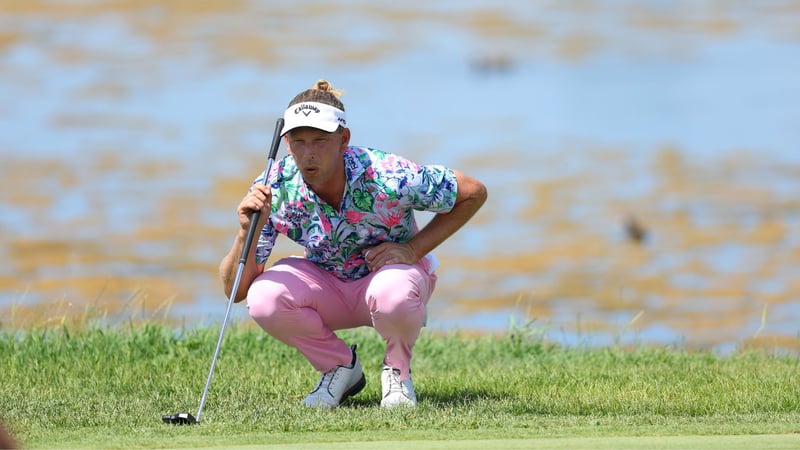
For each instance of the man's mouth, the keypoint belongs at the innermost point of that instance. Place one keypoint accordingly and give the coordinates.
(310, 170)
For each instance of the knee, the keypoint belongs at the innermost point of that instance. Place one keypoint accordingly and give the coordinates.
(393, 301)
(266, 300)
(396, 292)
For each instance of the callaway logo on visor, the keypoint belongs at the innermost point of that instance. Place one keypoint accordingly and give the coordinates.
(306, 109)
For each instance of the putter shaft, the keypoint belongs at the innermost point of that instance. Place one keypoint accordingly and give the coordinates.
(251, 231)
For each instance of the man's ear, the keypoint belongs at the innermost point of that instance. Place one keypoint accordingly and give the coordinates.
(345, 138)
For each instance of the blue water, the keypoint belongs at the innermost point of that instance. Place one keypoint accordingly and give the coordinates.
(207, 112)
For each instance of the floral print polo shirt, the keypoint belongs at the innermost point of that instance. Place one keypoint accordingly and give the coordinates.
(380, 197)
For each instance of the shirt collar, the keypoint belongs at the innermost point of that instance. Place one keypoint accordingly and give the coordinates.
(353, 166)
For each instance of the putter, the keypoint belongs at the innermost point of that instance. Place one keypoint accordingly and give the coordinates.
(187, 418)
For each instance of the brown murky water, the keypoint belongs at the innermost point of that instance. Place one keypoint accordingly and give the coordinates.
(115, 226)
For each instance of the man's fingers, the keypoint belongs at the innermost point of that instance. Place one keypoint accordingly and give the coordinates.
(372, 253)
(386, 253)
(259, 197)
(265, 190)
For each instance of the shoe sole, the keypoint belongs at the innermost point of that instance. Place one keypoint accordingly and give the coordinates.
(355, 389)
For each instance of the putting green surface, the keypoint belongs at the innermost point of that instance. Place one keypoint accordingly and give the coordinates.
(743, 442)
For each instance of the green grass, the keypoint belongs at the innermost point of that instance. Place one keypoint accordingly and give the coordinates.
(108, 387)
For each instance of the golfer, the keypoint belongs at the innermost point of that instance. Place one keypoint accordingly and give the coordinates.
(366, 262)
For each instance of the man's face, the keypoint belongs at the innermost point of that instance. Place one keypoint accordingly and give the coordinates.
(318, 154)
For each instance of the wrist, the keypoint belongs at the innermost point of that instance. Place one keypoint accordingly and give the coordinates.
(415, 251)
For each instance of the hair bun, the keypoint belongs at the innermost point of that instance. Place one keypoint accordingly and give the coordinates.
(321, 92)
(325, 86)
(322, 85)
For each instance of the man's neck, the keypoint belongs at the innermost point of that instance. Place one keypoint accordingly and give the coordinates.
(333, 193)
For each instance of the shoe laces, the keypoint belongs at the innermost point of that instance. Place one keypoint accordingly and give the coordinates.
(394, 381)
(326, 379)
(330, 376)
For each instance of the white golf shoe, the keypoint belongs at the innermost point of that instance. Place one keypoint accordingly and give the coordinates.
(337, 384)
(396, 392)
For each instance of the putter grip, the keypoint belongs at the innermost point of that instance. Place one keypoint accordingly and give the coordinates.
(276, 140)
(248, 240)
(273, 151)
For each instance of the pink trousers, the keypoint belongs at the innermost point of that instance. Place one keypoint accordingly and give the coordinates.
(302, 305)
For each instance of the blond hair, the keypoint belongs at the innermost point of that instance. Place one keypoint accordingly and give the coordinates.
(325, 85)
(322, 92)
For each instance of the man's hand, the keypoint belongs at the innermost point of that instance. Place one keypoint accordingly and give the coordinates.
(389, 253)
(258, 199)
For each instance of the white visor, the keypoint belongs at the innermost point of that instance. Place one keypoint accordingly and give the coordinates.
(314, 115)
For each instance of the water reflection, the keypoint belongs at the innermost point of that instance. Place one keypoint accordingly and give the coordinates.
(129, 131)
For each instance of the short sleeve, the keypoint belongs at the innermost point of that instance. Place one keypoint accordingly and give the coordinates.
(433, 188)
(266, 242)
(268, 236)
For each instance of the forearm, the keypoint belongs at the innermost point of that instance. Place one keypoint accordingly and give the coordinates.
(471, 196)
(230, 265)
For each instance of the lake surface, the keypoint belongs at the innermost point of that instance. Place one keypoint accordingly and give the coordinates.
(129, 131)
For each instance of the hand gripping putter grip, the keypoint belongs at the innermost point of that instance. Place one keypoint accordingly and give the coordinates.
(187, 418)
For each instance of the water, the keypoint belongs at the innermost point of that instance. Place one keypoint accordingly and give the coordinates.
(128, 133)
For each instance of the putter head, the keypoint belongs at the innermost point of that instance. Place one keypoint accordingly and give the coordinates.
(179, 419)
